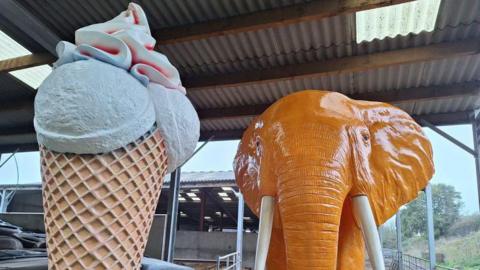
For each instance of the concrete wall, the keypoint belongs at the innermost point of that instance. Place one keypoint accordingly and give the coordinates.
(209, 245)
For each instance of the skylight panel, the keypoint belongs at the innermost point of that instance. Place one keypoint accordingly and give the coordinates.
(403, 19)
(9, 48)
(33, 76)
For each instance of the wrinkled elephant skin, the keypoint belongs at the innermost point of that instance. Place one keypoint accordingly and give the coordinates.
(314, 152)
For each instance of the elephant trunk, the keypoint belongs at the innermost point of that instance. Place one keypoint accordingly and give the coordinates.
(310, 201)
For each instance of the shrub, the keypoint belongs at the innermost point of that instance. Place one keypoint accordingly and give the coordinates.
(465, 225)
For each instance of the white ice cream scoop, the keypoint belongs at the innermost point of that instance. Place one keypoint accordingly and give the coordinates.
(109, 88)
(89, 107)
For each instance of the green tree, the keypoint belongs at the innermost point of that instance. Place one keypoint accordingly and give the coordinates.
(446, 210)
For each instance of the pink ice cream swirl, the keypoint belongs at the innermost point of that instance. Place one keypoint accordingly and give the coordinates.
(125, 42)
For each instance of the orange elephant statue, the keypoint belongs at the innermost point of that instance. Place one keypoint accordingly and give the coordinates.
(322, 171)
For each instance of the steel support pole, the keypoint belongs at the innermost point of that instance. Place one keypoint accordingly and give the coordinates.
(240, 230)
(3, 202)
(203, 202)
(172, 214)
(398, 225)
(448, 137)
(476, 145)
(430, 228)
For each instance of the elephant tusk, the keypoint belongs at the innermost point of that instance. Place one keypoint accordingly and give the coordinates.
(363, 213)
(264, 231)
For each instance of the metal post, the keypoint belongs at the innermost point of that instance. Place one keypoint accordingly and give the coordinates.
(203, 201)
(430, 228)
(240, 230)
(3, 201)
(398, 225)
(221, 221)
(447, 136)
(172, 212)
(476, 147)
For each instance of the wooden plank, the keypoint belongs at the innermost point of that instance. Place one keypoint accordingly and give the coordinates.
(26, 61)
(338, 66)
(396, 97)
(23, 20)
(221, 135)
(445, 119)
(267, 18)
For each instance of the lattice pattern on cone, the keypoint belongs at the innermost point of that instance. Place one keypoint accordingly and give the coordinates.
(99, 208)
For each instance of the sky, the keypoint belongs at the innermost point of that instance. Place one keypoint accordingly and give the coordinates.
(454, 166)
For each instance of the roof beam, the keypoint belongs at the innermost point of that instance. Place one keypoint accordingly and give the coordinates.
(267, 18)
(440, 119)
(21, 141)
(337, 66)
(24, 21)
(396, 97)
(221, 135)
(422, 93)
(26, 61)
(445, 119)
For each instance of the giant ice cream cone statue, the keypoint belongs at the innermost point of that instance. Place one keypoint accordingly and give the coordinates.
(112, 119)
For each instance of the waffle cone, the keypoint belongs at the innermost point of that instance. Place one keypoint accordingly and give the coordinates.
(99, 208)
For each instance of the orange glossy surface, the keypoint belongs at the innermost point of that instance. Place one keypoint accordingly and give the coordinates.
(313, 151)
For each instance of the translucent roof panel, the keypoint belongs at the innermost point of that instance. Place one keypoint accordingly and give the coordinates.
(9, 48)
(33, 76)
(403, 19)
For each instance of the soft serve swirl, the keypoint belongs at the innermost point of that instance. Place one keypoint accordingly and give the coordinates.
(125, 42)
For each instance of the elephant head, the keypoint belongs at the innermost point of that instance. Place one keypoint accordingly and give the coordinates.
(324, 169)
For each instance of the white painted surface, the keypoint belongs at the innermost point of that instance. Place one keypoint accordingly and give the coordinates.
(91, 107)
(178, 123)
(264, 231)
(363, 213)
(109, 88)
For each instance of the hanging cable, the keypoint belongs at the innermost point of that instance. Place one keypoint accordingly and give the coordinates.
(14, 152)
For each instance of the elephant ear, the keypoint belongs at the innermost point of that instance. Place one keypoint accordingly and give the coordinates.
(400, 161)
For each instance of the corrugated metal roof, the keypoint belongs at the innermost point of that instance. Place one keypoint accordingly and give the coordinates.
(307, 41)
(438, 72)
(12, 90)
(315, 40)
(202, 177)
(452, 104)
(65, 16)
(423, 107)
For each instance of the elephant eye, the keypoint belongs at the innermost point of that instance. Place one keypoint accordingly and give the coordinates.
(258, 147)
(365, 136)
